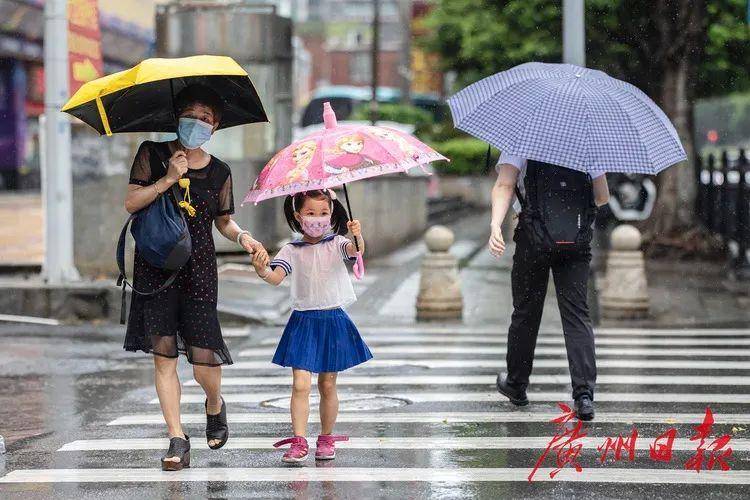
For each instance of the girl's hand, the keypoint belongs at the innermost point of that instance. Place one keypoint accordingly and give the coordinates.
(260, 262)
(354, 227)
(497, 243)
(178, 165)
(253, 246)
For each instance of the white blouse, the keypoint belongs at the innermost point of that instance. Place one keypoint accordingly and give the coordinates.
(319, 277)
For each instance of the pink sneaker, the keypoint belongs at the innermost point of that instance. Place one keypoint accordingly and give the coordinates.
(297, 452)
(325, 448)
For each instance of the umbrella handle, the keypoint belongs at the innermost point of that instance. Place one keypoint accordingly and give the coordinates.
(359, 267)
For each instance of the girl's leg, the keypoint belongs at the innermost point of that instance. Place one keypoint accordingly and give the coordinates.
(329, 401)
(300, 405)
(169, 391)
(209, 378)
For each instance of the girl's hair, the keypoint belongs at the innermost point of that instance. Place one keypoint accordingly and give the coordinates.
(339, 218)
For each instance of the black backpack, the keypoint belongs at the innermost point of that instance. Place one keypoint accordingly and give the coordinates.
(161, 236)
(558, 210)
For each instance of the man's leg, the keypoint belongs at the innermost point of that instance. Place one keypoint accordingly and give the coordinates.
(529, 279)
(571, 275)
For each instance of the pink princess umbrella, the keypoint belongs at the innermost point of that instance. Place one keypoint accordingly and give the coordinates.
(336, 155)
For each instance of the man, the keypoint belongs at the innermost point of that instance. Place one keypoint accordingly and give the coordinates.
(532, 262)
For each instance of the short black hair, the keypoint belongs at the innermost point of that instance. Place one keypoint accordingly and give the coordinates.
(200, 94)
(339, 218)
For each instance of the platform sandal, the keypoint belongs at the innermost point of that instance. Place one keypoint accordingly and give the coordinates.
(217, 427)
(178, 447)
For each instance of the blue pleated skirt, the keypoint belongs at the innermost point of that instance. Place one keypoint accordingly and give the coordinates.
(321, 341)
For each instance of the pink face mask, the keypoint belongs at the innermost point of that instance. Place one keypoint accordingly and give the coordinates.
(316, 226)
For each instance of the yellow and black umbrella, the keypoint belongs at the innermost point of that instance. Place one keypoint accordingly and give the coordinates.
(141, 99)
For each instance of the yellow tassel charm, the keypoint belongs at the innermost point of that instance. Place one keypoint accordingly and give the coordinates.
(185, 204)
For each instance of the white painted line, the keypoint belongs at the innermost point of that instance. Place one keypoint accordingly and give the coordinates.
(503, 330)
(451, 380)
(498, 363)
(12, 318)
(559, 340)
(235, 332)
(384, 443)
(379, 474)
(442, 418)
(558, 351)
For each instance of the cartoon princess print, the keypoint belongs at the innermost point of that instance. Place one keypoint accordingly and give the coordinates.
(349, 150)
(409, 150)
(302, 157)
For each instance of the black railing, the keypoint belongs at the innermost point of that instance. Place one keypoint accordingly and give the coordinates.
(723, 204)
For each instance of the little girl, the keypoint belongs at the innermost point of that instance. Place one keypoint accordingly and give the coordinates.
(319, 337)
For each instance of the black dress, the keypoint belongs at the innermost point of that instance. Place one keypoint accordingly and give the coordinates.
(182, 318)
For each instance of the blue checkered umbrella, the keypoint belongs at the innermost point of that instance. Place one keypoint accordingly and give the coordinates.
(570, 116)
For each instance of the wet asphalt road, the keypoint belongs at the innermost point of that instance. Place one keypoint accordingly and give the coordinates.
(92, 413)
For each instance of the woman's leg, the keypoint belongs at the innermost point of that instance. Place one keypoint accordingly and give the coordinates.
(300, 405)
(329, 401)
(209, 378)
(169, 391)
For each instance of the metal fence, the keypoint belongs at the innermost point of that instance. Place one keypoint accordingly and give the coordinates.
(723, 202)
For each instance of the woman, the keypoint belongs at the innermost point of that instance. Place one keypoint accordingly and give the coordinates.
(183, 318)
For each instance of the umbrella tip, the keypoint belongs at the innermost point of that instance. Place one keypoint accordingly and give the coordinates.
(329, 117)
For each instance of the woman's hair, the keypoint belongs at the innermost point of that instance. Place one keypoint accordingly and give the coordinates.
(199, 94)
(339, 218)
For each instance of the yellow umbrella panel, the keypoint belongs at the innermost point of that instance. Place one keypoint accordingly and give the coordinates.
(141, 99)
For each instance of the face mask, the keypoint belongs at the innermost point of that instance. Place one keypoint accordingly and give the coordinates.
(193, 133)
(316, 226)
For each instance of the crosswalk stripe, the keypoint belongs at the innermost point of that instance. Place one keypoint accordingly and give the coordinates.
(380, 474)
(503, 330)
(443, 418)
(559, 340)
(443, 380)
(558, 351)
(492, 397)
(497, 363)
(385, 443)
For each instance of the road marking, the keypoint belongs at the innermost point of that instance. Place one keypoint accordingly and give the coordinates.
(559, 340)
(442, 418)
(385, 443)
(380, 474)
(498, 363)
(496, 330)
(557, 351)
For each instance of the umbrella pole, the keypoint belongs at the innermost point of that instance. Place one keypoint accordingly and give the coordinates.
(349, 209)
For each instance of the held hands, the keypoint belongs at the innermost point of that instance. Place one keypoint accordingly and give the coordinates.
(496, 243)
(178, 165)
(254, 248)
(354, 227)
(260, 262)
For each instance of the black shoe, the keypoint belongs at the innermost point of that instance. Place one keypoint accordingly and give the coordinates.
(585, 408)
(217, 427)
(178, 447)
(516, 396)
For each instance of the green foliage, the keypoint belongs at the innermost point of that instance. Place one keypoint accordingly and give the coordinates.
(467, 156)
(400, 113)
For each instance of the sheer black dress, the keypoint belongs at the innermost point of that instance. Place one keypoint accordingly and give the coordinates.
(182, 318)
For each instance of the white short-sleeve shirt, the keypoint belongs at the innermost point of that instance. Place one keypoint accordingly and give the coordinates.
(520, 163)
(319, 277)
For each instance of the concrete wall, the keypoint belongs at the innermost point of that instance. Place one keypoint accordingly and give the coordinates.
(475, 190)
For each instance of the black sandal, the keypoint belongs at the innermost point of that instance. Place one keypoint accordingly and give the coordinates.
(216, 426)
(178, 447)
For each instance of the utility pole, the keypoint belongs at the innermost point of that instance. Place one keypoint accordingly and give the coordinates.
(57, 182)
(374, 61)
(405, 15)
(574, 32)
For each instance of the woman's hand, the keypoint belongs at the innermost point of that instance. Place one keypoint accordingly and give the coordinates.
(254, 248)
(354, 227)
(178, 165)
(497, 243)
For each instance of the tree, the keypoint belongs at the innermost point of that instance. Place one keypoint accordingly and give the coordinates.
(674, 50)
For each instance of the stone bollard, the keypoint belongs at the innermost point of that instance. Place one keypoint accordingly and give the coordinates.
(625, 293)
(439, 287)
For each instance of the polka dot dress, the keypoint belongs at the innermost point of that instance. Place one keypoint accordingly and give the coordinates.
(182, 318)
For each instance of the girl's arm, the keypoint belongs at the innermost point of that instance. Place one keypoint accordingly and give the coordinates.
(272, 276)
(356, 229)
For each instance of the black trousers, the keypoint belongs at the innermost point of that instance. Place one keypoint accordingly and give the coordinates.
(529, 279)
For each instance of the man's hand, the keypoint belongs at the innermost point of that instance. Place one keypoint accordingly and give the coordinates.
(496, 244)
(354, 227)
(254, 248)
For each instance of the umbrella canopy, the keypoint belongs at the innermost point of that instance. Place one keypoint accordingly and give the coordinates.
(336, 155)
(570, 116)
(141, 99)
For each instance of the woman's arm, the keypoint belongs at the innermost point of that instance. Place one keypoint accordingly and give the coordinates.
(231, 230)
(502, 197)
(601, 191)
(356, 229)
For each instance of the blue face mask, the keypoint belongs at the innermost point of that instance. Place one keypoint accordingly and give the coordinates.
(193, 133)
